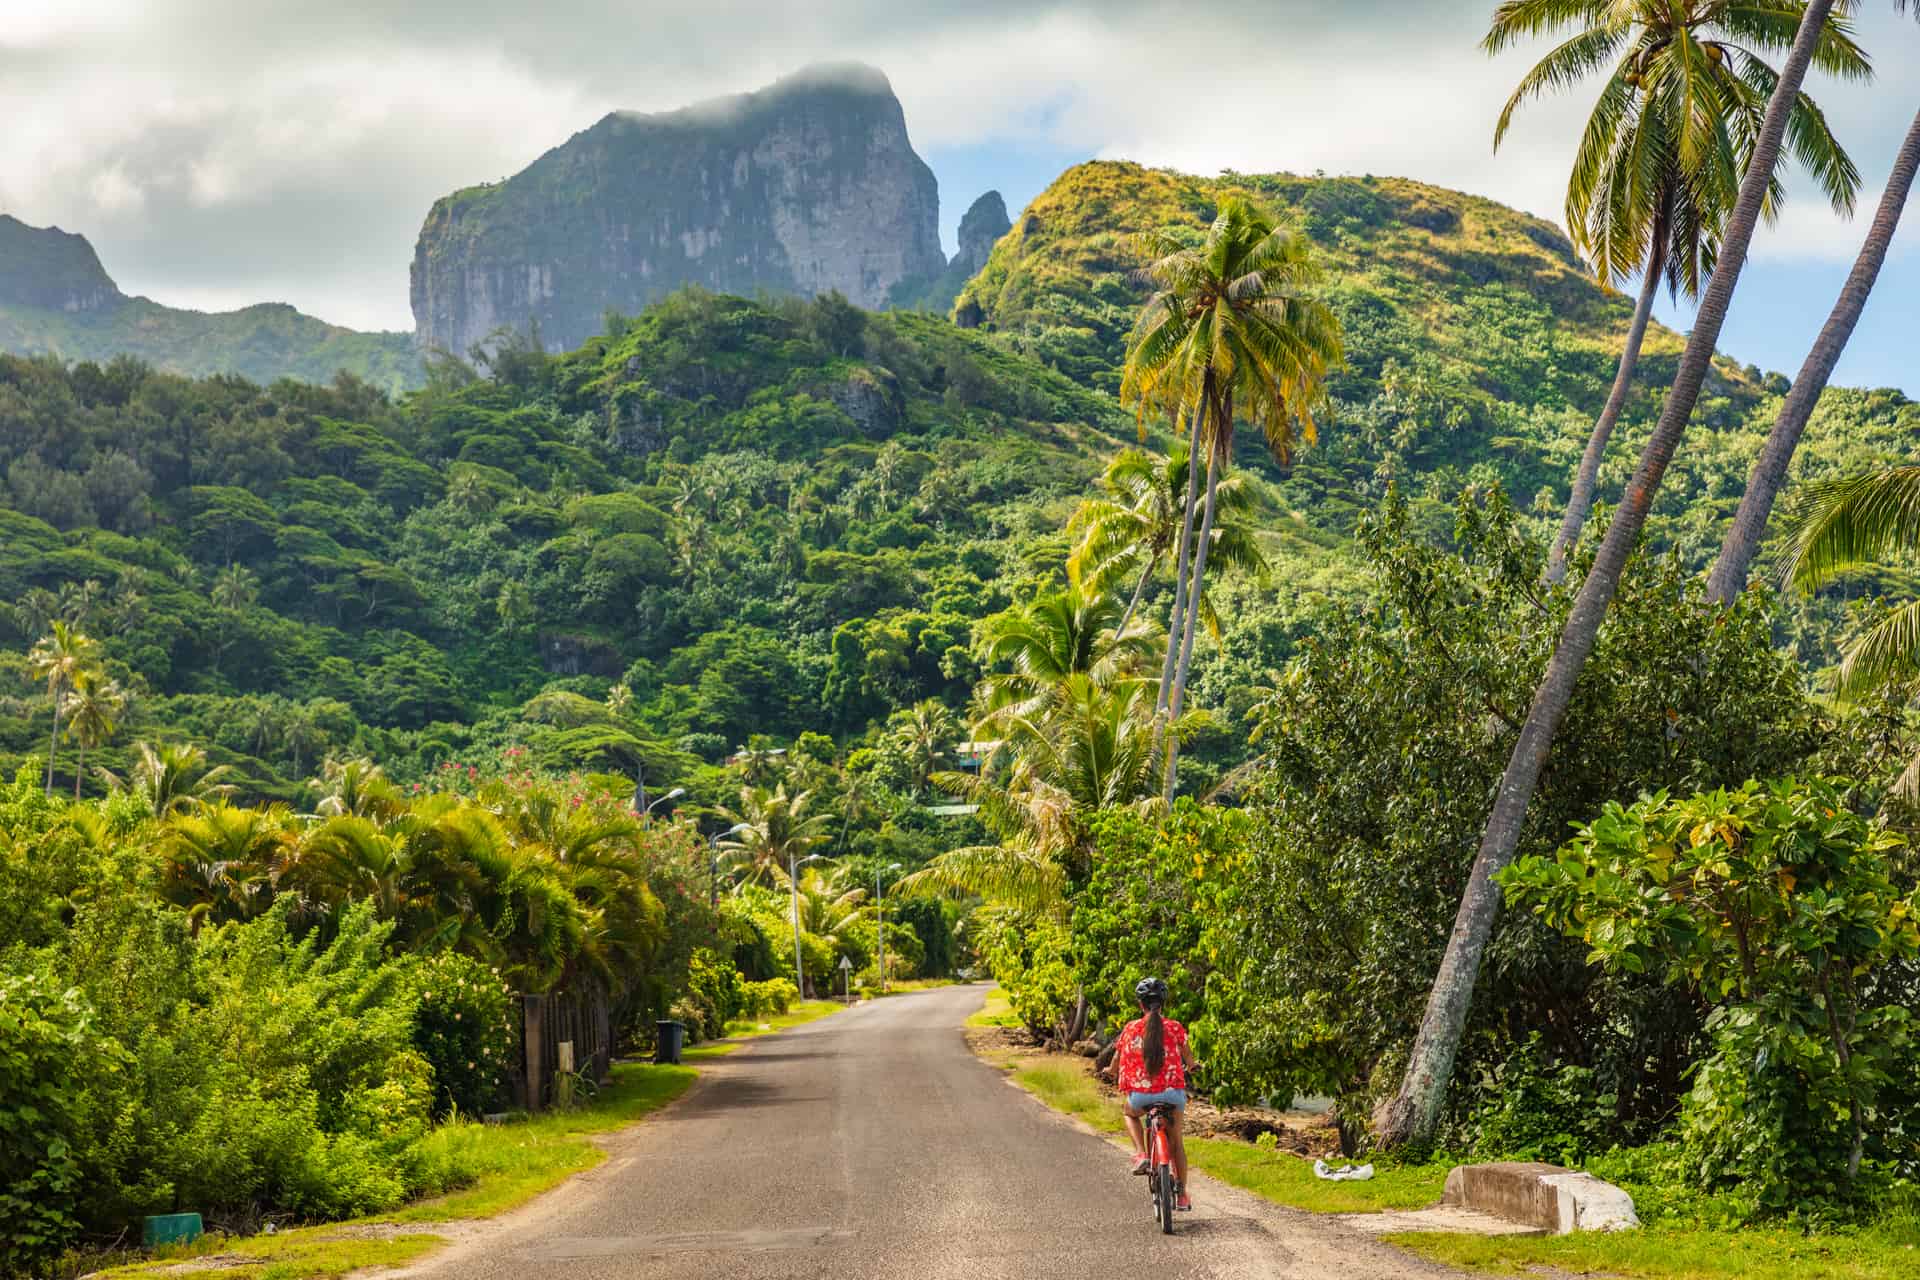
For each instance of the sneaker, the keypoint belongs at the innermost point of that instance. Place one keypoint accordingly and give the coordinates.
(1183, 1202)
(1140, 1166)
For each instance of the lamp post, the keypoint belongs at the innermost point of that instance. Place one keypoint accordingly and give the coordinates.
(880, 906)
(646, 814)
(793, 888)
(713, 860)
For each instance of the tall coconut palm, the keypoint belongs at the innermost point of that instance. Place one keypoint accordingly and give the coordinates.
(771, 830)
(1136, 525)
(356, 786)
(1056, 635)
(1749, 525)
(1232, 327)
(1413, 1110)
(93, 708)
(59, 658)
(926, 733)
(1659, 165)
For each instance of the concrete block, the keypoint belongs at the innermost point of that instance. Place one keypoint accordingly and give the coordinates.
(1540, 1195)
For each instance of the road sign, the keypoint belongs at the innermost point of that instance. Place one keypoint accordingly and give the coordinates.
(846, 979)
(845, 964)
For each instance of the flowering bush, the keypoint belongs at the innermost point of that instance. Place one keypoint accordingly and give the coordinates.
(465, 1030)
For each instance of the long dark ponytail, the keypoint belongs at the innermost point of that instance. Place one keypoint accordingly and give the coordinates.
(1153, 1045)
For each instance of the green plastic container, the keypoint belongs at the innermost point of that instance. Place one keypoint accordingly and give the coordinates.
(170, 1228)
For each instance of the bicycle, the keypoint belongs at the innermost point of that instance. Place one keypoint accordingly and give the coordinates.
(1160, 1184)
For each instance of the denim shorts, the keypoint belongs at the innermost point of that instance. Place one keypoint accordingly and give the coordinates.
(1175, 1098)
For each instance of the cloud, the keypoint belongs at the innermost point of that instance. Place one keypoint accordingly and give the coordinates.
(219, 151)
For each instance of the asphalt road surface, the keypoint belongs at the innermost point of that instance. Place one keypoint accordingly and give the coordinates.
(874, 1144)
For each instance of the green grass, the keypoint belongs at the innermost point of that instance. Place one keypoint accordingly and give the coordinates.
(1280, 1176)
(508, 1164)
(996, 1012)
(1287, 1179)
(1660, 1253)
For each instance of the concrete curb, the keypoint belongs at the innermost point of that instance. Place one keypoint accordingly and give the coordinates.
(1541, 1195)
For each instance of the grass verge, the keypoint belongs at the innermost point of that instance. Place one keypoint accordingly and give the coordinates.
(509, 1165)
(1660, 1253)
(996, 1012)
(1884, 1251)
(1067, 1084)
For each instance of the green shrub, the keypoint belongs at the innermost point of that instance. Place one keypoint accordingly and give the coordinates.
(1533, 1109)
(767, 999)
(43, 1040)
(464, 1028)
(1776, 904)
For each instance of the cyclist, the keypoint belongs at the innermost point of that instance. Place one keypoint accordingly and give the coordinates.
(1153, 1061)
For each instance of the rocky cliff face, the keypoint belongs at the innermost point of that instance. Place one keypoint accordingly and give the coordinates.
(803, 187)
(984, 223)
(52, 269)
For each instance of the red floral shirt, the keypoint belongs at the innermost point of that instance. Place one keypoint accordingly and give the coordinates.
(1133, 1077)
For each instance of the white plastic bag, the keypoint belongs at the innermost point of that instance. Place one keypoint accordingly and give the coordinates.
(1345, 1173)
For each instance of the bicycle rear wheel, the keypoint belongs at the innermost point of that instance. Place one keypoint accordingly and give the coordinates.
(1163, 1195)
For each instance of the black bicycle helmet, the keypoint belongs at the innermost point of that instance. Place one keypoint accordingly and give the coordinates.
(1150, 991)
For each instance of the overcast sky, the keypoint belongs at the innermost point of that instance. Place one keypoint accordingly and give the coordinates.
(222, 152)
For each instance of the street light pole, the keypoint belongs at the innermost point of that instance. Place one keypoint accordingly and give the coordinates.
(880, 907)
(793, 888)
(646, 814)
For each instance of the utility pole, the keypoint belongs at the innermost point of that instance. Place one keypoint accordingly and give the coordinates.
(880, 906)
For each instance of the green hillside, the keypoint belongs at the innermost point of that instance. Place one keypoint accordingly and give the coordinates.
(781, 518)
(761, 518)
(1475, 343)
(261, 343)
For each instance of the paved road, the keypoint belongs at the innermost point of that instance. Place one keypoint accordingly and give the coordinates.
(874, 1144)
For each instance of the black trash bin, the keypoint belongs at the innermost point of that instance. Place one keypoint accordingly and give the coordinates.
(668, 1037)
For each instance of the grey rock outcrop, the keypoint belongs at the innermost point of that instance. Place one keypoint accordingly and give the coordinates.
(807, 186)
(980, 228)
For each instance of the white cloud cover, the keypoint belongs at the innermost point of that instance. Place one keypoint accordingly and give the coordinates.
(225, 151)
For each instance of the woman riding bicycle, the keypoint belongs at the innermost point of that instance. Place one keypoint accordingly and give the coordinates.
(1153, 1061)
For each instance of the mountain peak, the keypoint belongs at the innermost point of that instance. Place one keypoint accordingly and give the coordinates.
(808, 185)
(50, 268)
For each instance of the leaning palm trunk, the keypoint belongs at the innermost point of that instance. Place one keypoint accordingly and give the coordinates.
(1176, 703)
(1742, 542)
(1580, 502)
(1412, 1113)
(1180, 594)
(1140, 589)
(53, 744)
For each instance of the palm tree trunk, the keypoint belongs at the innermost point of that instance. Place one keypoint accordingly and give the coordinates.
(1742, 542)
(1580, 502)
(1413, 1111)
(1180, 570)
(79, 769)
(53, 743)
(1179, 697)
(1139, 590)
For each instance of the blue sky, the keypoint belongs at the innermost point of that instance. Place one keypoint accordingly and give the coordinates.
(221, 152)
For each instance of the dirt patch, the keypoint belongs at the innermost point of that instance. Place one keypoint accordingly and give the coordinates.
(451, 1230)
(210, 1262)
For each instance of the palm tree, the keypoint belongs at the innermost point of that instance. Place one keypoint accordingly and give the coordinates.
(93, 707)
(59, 659)
(1749, 525)
(1412, 1112)
(174, 778)
(925, 733)
(1233, 326)
(358, 787)
(1852, 521)
(1137, 525)
(1057, 635)
(1660, 163)
(218, 859)
(771, 830)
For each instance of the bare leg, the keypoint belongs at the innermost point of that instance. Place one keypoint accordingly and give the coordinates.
(1176, 1123)
(1135, 1130)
